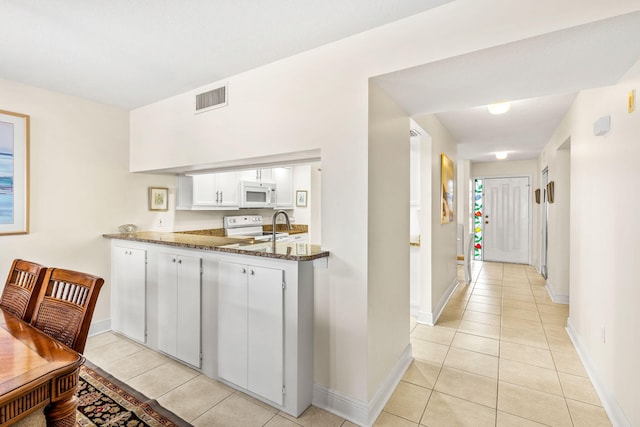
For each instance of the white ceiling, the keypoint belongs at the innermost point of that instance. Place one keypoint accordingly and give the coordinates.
(543, 74)
(131, 53)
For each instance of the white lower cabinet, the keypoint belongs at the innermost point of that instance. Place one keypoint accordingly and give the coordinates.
(246, 320)
(128, 291)
(251, 328)
(179, 288)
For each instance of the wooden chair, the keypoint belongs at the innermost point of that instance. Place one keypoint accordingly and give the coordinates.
(21, 290)
(65, 306)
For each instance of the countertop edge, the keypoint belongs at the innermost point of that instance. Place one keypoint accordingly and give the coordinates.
(214, 248)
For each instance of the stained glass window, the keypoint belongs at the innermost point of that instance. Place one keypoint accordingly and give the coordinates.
(478, 207)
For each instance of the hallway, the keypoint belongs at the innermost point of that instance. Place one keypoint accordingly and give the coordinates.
(498, 356)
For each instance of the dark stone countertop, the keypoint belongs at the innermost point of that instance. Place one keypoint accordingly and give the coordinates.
(285, 251)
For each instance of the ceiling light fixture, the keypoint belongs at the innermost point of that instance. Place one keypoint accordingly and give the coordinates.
(499, 108)
(501, 155)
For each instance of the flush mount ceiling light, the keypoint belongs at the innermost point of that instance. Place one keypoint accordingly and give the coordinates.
(499, 108)
(501, 155)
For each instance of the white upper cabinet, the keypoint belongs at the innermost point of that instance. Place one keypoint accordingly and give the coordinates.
(219, 191)
(208, 191)
(204, 190)
(256, 175)
(283, 177)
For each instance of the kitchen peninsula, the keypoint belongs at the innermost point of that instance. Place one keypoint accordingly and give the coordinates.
(210, 242)
(238, 310)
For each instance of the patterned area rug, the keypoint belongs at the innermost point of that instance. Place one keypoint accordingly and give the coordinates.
(106, 401)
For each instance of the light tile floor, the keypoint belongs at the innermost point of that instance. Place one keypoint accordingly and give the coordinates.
(499, 356)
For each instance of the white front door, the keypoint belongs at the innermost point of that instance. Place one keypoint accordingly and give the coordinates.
(506, 220)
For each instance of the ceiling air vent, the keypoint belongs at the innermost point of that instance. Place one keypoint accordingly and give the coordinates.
(211, 99)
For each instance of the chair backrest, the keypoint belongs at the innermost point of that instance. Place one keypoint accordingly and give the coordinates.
(21, 290)
(65, 306)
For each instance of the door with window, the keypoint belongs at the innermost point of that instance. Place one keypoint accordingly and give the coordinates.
(506, 220)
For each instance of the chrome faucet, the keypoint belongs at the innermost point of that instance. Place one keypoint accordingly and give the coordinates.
(273, 224)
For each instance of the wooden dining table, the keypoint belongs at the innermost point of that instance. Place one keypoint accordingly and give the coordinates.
(36, 373)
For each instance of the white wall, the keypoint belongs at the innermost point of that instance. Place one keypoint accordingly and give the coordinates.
(388, 222)
(463, 206)
(557, 159)
(441, 267)
(80, 184)
(415, 227)
(319, 100)
(604, 244)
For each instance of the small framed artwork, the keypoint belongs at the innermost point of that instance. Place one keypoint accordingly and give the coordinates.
(537, 196)
(158, 199)
(550, 191)
(301, 198)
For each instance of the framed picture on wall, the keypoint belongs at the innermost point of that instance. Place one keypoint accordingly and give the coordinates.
(301, 198)
(447, 190)
(550, 192)
(158, 198)
(14, 173)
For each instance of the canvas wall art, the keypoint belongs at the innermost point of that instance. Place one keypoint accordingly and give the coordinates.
(447, 188)
(14, 173)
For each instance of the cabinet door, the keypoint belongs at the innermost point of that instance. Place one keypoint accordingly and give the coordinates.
(167, 307)
(204, 190)
(265, 175)
(249, 175)
(265, 333)
(232, 323)
(129, 292)
(184, 192)
(227, 188)
(188, 309)
(283, 178)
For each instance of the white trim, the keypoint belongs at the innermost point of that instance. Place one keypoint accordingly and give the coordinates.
(558, 299)
(609, 403)
(99, 327)
(425, 318)
(414, 310)
(356, 411)
(428, 318)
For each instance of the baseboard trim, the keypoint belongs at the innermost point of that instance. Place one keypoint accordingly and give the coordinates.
(99, 327)
(358, 412)
(425, 318)
(429, 318)
(609, 403)
(558, 299)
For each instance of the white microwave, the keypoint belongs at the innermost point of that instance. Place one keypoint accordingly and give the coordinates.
(252, 194)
